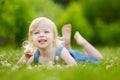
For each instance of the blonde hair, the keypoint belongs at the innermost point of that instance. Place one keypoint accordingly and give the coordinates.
(43, 20)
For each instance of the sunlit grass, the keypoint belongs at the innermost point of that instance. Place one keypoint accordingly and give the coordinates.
(108, 69)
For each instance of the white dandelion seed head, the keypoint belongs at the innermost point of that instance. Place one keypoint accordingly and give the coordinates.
(57, 58)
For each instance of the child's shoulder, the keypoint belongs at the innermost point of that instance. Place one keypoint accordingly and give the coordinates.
(59, 49)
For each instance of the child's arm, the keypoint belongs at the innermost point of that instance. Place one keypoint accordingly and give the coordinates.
(30, 60)
(23, 60)
(28, 53)
(67, 58)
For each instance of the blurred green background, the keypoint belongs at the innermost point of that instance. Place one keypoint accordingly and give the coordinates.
(97, 20)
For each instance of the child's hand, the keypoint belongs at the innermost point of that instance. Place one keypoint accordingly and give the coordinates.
(28, 52)
(28, 49)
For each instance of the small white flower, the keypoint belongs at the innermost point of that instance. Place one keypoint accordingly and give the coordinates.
(111, 61)
(50, 65)
(58, 66)
(29, 66)
(8, 65)
(57, 58)
(109, 66)
(15, 67)
(1, 56)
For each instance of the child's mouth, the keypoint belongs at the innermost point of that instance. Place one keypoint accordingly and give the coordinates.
(42, 41)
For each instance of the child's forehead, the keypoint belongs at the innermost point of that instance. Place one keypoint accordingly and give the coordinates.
(43, 28)
(45, 25)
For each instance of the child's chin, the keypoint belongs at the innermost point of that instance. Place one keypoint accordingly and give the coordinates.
(42, 46)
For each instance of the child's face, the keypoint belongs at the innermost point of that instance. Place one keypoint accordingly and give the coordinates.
(43, 36)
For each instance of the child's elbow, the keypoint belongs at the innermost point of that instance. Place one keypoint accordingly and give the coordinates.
(100, 57)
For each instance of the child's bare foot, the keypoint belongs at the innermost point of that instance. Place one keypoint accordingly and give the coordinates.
(66, 33)
(79, 39)
(90, 50)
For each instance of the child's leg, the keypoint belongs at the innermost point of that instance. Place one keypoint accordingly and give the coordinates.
(87, 46)
(66, 33)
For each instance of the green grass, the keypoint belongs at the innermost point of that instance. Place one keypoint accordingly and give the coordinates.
(108, 69)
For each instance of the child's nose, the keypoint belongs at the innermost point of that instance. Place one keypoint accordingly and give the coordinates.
(41, 34)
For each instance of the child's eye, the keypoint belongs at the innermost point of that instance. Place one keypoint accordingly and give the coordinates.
(36, 33)
(46, 31)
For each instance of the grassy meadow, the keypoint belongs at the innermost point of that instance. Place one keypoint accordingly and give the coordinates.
(108, 69)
